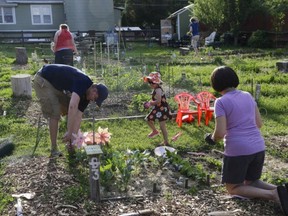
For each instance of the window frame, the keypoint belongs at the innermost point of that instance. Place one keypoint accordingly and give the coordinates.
(40, 7)
(3, 16)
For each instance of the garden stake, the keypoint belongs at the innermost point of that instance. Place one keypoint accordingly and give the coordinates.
(93, 152)
(208, 180)
(37, 136)
(154, 188)
(186, 183)
(257, 92)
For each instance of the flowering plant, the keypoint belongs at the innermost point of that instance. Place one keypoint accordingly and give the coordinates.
(101, 137)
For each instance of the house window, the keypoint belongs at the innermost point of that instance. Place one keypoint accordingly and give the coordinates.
(7, 15)
(41, 14)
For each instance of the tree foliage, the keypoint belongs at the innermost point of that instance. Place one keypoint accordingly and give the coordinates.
(210, 12)
(234, 13)
(277, 9)
(148, 12)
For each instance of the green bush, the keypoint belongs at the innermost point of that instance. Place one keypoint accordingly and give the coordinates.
(259, 39)
(138, 101)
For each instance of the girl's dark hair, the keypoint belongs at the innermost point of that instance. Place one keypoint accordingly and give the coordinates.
(224, 77)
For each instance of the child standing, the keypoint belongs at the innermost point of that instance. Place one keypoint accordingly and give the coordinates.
(160, 108)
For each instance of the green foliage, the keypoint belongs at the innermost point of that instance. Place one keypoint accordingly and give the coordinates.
(213, 163)
(277, 8)
(123, 79)
(194, 171)
(138, 101)
(152, 11)
(118, 167)
(278, 179)
(218, 61)
(5, 195)
(210, 12)
(74, 194)
(259, 39)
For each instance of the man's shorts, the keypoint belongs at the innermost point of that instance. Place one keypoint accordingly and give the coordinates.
(237, 169)
(54, 103)
(194, 41)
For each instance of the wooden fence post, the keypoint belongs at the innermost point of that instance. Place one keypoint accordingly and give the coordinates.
(93, 152)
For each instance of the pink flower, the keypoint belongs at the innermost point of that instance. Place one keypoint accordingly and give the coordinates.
(78, 139)
(89, 138)
(102, 136)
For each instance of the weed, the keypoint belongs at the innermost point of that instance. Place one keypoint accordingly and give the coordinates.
(5, 195)
(74, 194)
(138, 101)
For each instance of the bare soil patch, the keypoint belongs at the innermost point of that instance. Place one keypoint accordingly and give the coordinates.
(48, 177)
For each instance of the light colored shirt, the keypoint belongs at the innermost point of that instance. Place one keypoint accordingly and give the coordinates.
(243, 137)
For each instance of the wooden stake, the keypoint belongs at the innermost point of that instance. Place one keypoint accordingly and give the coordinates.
(94, 177)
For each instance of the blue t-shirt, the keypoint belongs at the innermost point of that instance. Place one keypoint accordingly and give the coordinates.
(195, 28)
(242, 137)
(68, 79)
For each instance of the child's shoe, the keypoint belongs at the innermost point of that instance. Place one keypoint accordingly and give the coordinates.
(153, 134)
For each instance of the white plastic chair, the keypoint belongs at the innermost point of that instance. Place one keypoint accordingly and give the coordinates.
(210, 39)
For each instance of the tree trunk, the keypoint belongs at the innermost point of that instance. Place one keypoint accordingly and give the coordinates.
(21, 56)
(21, 85)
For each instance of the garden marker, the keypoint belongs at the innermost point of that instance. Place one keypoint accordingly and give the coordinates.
(93, 151)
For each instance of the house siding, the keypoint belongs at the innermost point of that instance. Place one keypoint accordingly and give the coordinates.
(88, 15)
(184, 22)
(117, 17)
(24, 22)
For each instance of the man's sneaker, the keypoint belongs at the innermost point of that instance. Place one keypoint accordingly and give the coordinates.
(153, 134)
(56, 153)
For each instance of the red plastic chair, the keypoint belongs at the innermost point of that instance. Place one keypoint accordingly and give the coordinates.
(184, 101)
(206, 100)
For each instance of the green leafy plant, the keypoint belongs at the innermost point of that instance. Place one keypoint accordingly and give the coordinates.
(72, 194)
(259, 39)
(138, 101)
(194, 171)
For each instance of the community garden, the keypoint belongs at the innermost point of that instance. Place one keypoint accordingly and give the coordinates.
(133, 180)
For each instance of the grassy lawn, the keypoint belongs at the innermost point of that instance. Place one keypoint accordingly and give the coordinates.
(252, 65)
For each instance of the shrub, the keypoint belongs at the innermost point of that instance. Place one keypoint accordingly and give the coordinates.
(259, 39)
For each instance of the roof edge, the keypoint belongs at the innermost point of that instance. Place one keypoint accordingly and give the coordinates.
(37, 2)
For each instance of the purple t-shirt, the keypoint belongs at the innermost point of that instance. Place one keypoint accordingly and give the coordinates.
(243, 137)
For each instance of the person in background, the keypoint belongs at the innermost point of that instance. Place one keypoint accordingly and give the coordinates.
(160, 108)
(64, 46)
(194, 32)
(65, 90)
(238, 122)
